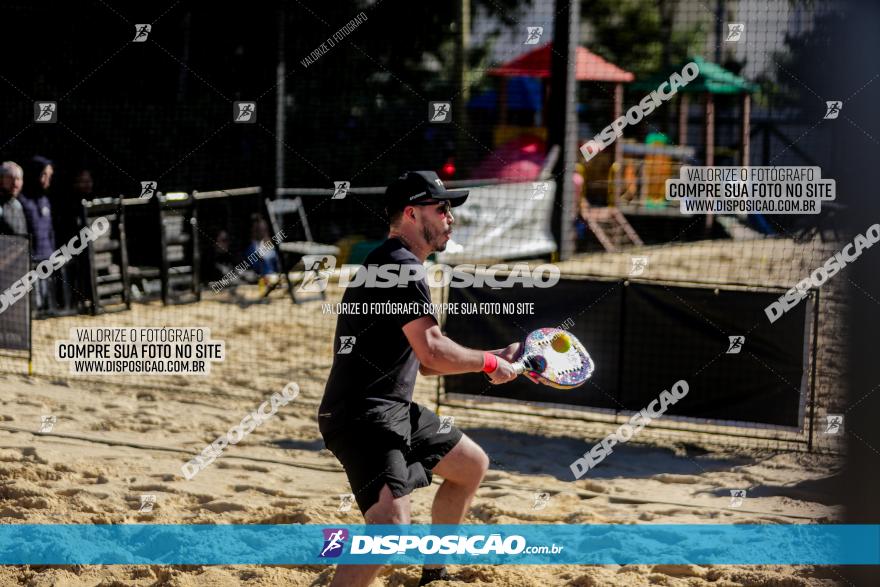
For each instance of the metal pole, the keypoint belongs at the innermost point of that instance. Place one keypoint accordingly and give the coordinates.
(710, 147)
(462, 140)
(280, 117)
(813, 370)
(562, 121)
(683, 106)
(618, 145)
(746, 129)
(30, 315)
(621, 345)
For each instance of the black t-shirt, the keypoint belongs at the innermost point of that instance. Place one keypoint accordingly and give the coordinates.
(374, 374)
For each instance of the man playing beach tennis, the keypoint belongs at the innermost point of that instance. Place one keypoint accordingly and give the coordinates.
(388, 444)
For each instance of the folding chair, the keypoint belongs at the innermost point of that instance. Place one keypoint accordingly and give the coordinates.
(143, 248)
(292, 252)
(107, 258)
(178, 221)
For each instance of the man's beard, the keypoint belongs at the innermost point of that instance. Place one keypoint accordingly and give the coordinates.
(434, 239)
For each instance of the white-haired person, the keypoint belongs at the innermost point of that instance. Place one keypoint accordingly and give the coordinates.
(12, 218)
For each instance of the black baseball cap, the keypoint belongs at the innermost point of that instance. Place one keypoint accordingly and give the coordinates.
(419, 186)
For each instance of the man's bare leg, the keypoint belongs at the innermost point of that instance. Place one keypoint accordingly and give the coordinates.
(462, 469)
(388, 510)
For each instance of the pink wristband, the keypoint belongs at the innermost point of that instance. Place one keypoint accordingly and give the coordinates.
(490, 362)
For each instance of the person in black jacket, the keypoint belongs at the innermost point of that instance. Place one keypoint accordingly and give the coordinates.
(67, 221)
(38, 212)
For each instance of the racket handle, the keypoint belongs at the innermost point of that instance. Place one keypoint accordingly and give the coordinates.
(535, 363)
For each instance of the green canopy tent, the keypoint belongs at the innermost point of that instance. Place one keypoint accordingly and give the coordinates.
(713, 80)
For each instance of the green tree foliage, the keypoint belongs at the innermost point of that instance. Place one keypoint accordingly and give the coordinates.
(643, 36)
(373, 87)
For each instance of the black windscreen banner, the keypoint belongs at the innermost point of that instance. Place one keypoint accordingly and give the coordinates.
(645, 337)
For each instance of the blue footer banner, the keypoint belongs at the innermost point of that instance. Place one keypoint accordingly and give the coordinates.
(521, 544)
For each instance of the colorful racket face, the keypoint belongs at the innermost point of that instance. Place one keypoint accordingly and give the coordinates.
(556, 358)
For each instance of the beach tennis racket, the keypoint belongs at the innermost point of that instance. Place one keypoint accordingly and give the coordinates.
(556, 358)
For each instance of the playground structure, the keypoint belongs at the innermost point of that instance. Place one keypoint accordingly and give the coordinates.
(627, 180)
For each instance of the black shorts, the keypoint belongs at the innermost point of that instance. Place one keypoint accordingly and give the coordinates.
(374, 454)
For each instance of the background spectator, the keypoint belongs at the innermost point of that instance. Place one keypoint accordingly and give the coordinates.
(11, 210)
(67, 221)
(83, 184)
(267, 263)
(38, 212)
(221, 258)
(67, 203)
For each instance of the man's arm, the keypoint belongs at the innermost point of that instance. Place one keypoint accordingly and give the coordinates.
(509, 354)
(440, 355)
(425, 371)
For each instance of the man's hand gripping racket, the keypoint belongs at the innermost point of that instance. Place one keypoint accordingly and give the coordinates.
(553, 357)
